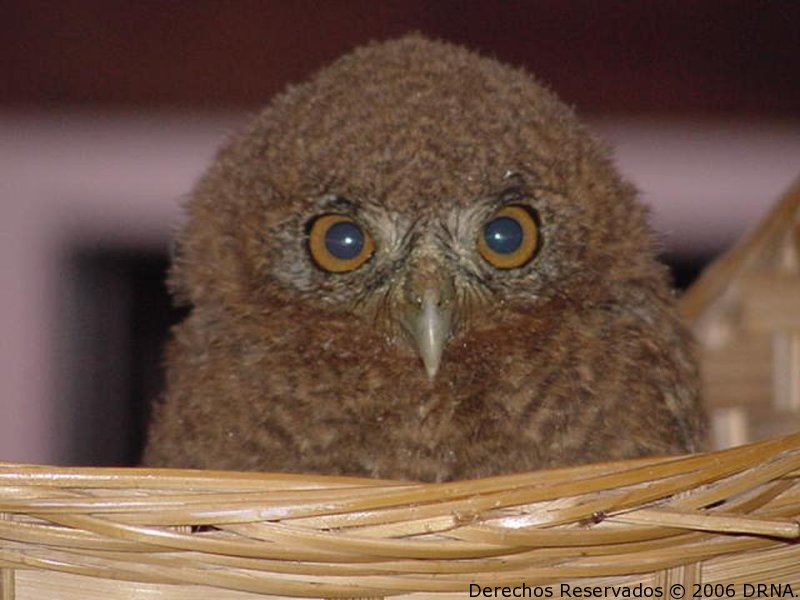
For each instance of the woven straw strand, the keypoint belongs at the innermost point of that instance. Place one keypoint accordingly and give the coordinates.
(648, 520)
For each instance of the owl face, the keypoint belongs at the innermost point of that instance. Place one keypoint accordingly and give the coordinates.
(417, 279)
(420, 202)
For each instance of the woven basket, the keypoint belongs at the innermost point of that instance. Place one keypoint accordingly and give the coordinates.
(705, 525)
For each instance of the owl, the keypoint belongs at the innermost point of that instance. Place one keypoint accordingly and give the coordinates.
(420, 265)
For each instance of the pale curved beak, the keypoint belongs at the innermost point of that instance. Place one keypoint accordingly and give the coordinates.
(428, 321)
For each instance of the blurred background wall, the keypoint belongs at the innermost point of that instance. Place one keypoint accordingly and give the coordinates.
(109, 111)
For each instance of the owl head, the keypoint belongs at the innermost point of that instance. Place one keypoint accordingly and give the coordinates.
(420, 265)
(417, 191)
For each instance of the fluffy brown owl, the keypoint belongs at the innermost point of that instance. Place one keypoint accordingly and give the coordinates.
(420, 265)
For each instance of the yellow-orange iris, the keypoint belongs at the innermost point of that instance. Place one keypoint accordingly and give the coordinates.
(519, 254)
(353, 250)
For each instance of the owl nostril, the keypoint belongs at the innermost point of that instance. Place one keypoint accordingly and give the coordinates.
(428, 283)
(432, 297)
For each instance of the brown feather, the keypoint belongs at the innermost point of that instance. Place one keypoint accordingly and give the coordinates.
(576, 357)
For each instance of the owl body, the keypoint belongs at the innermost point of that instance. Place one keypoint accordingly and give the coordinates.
(482, 298)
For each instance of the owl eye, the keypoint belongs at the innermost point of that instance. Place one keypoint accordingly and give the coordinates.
(338, 244)
(510, 238)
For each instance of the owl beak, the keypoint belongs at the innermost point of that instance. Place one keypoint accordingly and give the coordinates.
(428, 321)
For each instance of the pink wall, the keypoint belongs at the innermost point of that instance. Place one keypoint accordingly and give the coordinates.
(65, 178)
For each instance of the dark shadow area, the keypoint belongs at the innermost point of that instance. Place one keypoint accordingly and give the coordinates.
(119, 314)
(685, 268)
(675, 56)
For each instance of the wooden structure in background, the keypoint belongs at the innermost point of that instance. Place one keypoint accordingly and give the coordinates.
(745, 313)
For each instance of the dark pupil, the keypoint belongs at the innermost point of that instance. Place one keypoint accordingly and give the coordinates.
(503, 235)
(344, 240)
